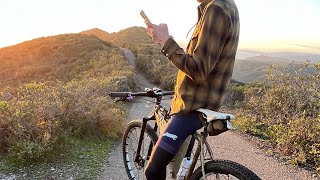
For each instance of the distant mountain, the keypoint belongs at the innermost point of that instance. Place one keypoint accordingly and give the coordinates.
(284, 56)
(62, 57)
(241, 54)
(297, 57)
(249, 70)
(254, 68)
(132, 35)
(268, 59)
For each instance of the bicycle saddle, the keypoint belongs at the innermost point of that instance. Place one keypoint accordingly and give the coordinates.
(213, 115)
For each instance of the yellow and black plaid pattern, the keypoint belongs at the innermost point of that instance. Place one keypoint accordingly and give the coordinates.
(206, 68)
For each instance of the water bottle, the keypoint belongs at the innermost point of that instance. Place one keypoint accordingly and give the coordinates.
(184, 168)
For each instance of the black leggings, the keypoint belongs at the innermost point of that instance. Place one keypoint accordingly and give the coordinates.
(168, 144)
(156, 168)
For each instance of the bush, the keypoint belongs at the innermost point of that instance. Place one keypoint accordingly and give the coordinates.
(235, 95)
(285, 110)
(39, 117)
(48, 97)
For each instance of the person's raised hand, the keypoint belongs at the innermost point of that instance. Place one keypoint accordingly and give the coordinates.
(159, 33)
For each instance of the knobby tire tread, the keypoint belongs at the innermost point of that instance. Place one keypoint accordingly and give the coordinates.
(226, 167)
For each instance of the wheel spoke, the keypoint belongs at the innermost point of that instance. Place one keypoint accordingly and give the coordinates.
(131, 148)
(136, 136)
(131, 136)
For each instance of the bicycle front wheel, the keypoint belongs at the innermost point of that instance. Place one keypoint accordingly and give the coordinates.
(135, 170)
(224, 169)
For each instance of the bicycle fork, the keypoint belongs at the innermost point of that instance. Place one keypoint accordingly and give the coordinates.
(139, 159)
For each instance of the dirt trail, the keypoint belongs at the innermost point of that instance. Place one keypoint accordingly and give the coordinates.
(230, 145)
(142, 81)
(234, 146)
(114, 168)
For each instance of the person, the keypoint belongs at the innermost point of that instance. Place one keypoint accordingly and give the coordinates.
(205, 71)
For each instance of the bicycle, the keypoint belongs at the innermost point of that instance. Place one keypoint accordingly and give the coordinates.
(145, 137)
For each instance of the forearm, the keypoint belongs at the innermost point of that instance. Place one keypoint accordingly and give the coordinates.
(183, 61)
(210, 39)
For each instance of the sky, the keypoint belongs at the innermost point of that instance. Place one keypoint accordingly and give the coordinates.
(266, 25)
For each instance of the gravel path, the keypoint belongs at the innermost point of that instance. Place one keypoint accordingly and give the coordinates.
(129, 55)
(233, 146)
(114, 168)
(230, 145)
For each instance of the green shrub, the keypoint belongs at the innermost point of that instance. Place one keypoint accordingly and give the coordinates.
(285, 110)
(70, 99)
(235, 95)
(39, 117)
(29, 152)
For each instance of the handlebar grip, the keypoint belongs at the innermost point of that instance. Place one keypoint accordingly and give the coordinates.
(119, 94)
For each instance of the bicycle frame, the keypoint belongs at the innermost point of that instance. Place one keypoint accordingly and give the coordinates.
(199, 137)
(161, 116)
(145, 120)
(138, 157)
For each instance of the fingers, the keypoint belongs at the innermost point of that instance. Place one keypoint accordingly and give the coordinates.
(159, 33)
(163, 26)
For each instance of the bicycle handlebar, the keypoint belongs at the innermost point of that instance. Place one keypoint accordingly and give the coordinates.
(167, 93)
(119, 94)
(150, 93)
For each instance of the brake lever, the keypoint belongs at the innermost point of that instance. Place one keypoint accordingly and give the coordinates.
(129, 98)
(119, 99)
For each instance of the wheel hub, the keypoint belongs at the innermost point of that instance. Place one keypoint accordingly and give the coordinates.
(140, 163)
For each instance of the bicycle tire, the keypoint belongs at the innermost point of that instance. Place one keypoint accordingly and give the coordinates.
(225, 167)
(128, 157)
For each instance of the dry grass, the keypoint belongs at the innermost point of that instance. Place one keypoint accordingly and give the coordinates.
(58, 87)
(285, 110)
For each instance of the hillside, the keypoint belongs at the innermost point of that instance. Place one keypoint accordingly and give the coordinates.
(55, 89)
(254, 68)
(62, 57)
(250, 65)
(285, 56)
(103, 35)
(297, 57)
(132, 35)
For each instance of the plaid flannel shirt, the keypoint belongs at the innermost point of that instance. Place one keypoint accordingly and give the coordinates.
(205, 70)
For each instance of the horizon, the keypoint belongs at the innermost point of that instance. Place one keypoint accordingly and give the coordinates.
(265, 25)
(179, 42)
